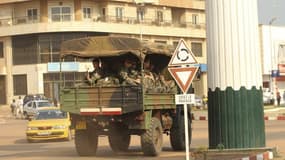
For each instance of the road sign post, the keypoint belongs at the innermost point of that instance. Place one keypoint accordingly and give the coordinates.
(183, 69)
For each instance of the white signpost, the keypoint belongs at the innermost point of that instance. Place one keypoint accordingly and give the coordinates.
(183, 70)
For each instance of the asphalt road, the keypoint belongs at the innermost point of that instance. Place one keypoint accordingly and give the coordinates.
(13, 145)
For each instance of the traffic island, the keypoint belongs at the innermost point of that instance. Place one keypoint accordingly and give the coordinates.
(236, 154)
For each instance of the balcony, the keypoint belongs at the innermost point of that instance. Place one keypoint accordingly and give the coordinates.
(124, 25)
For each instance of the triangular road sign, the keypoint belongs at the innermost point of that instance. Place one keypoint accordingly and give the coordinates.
(182, 55)
(183, 76)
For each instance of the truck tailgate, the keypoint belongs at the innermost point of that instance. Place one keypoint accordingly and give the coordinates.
(102, 100)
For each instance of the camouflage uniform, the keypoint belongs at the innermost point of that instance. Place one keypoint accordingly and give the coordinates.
(149, 82)
(108, 81)
(168, 82)
(128, 77)
(94, 76)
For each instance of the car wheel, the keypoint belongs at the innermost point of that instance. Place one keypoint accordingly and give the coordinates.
(30, 141)
(25, 115)
(69, 136)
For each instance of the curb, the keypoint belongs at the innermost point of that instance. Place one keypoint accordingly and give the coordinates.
(200, 118)
(267, 118)
(262, 156)
(274, 118)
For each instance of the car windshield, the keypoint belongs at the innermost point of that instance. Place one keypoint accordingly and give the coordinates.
(44, 104)
(50, 114)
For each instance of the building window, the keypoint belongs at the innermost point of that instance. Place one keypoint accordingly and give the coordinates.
(160, 42)
(20, 84)
(1, 50)
(140, 14)
(59, 14)
(48, 49)
(119, 13)
(32, 14)
(25, 49)
(159, 16)
(87, 13)
(42, 48)
(195, 19)
(281, 54)
(196, 48)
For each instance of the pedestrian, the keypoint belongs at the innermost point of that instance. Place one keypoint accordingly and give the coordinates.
(278, 98)
(19, 110)
(13, 106)
(55, 102)
(284, 97)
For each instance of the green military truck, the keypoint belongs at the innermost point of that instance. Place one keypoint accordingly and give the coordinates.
(119, 110)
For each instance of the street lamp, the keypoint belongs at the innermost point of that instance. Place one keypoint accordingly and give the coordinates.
(141, 6)
(272, 57)
(140, 16)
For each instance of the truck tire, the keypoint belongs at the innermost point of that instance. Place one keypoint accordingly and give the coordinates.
(152, 138)
(177, 133)
(119, 141)
(86, 142)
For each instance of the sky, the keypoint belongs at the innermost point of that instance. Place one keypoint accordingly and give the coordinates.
(269, 9)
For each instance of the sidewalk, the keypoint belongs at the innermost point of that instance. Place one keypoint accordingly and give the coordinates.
(270, 113)
(5, 111)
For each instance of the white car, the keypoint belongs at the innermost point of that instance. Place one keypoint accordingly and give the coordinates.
(31, 107)
(198, 102)
(268, 97)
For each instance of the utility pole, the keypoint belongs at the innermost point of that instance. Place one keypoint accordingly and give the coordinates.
(236, 117)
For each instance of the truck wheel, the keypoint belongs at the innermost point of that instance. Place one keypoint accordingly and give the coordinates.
(119, 141)
(177, 133)
(86, 142)
(152, 138)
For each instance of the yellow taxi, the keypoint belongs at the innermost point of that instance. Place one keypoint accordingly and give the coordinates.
(48, 124)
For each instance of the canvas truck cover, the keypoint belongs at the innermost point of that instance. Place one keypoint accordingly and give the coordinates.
(112, 46)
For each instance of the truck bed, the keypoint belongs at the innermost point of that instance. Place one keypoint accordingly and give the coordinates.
(115, 100)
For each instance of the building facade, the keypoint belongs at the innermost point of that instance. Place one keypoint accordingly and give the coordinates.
(31, 32)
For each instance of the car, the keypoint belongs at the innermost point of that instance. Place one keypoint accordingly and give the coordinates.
(31, 107)
(268, 97)
(198, 102)
(30, 97)
(49, 124)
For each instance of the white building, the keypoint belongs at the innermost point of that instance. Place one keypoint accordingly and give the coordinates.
(272, 39)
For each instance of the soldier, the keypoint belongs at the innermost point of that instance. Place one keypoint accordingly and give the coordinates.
(167, 82)
(97, 73)
(149, 77)
(127, 75)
